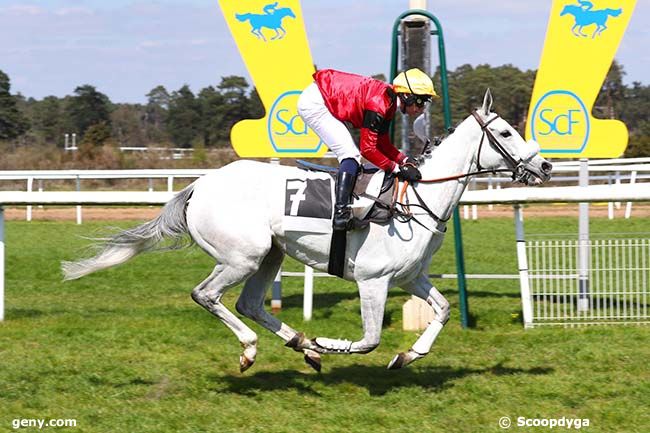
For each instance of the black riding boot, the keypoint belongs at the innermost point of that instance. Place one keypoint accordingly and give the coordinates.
(342, 212)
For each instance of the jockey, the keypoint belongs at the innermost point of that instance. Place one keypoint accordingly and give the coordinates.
(368, 104)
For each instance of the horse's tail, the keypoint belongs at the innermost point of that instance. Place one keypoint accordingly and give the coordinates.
(123, 246)
(614, 12)
(243, 17)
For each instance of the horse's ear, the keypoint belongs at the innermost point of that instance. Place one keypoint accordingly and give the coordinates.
(487, 102)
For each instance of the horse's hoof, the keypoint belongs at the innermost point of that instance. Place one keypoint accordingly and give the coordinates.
(313, 359)
(296, 342)
(397, 362)
(245, 363)
(402, 359)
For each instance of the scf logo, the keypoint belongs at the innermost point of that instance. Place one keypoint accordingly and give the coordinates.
(287, 131)
(560, 122)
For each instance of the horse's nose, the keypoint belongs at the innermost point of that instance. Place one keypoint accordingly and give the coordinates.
(547, 167)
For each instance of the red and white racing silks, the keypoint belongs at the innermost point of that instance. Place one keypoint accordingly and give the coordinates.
(367, 104)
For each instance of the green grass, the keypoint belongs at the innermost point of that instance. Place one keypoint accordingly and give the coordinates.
(127, 350)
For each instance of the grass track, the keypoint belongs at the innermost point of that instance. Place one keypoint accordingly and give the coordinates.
(126, 350)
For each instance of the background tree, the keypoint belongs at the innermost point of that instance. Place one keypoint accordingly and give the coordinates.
(511, 87)
(212, 116)
(127, 125)
(47, 124)
(184, 117)
(96, 136)
(156, 113)
(255, 109)
(13, 122)
(86, 108)
(236, 105)
(612, 93)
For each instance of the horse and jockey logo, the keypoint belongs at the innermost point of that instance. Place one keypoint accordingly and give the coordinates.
(270, 19)
(584, 16)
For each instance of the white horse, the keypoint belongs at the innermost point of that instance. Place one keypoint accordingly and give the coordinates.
(235, 214)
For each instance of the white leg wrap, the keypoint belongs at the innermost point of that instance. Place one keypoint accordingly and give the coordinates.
(334, 345)
(428, 337)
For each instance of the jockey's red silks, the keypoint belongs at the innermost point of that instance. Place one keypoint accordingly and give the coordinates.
(348, 96)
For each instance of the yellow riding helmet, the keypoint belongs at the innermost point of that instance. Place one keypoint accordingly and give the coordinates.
(414, 81)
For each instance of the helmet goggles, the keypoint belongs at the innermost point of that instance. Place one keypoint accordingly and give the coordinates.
(414, 98)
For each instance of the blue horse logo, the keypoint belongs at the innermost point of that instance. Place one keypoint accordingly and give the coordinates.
(271, 19)
(584, 16)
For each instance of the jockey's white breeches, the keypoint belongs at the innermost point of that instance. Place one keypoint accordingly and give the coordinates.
(332, 131)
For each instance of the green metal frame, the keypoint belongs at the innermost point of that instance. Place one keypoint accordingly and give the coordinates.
(460, 261)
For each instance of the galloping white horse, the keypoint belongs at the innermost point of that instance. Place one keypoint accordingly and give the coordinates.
(242, 229)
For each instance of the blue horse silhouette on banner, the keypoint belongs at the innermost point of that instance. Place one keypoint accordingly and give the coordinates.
(585, 16)
(271, 19)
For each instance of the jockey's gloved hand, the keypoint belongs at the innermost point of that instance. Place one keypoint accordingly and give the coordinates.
(409, 172)
(410, 161)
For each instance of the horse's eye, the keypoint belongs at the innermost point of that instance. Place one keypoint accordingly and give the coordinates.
(506, 133)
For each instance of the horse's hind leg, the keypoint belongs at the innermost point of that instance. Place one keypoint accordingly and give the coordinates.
(423, 289)
(208, 294)
(251, 303)
(251, 300)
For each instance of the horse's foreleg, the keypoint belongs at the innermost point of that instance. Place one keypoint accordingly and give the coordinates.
(599, 30)
(373, 295)
(208, 294)
(423, 289)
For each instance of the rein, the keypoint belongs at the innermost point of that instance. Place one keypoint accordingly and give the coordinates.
(516, 171)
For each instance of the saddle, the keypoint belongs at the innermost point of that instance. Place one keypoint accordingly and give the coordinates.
(374, 195)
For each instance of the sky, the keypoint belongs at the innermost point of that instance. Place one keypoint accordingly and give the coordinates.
(125, 48)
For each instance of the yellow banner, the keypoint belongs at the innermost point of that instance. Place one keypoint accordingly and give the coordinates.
(272, 40)
(581, 40)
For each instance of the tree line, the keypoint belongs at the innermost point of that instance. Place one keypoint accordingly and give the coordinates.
(177, 119)
(181, 118)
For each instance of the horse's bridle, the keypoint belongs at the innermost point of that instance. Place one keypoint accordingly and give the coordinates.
(516, 166)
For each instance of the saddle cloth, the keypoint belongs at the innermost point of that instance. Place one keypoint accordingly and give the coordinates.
(309, 200)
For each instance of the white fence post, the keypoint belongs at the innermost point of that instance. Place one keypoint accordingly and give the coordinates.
(40, 189)
(30, 186)
(308, 294)
(522, 261)
(617, 182)
(583, 240)
(610, 204)
(474, 206)
(489, 187)
(628, 207)
(78, 206)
